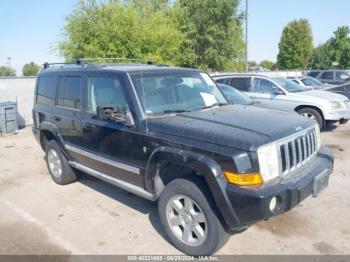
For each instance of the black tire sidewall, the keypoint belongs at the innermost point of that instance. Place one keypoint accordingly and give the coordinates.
(315, 113)
(216, 235)
(67, 175)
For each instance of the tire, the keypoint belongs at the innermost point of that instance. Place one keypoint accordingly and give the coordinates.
(204, 238)
(60, 170)
(313, 114)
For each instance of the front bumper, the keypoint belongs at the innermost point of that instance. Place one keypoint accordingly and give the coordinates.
(252, 206)
(337, 115)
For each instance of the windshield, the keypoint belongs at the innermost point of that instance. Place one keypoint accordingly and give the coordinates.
(234, 96)
(307, 82)
(289, 85)
(174, 91)
(314, 81)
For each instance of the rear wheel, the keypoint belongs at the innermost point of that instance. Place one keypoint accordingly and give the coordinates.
(60, 170)
(190, 219)
(312, 114)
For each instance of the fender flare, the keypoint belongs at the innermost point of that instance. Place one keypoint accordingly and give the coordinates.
(208, 167)
(54, 130)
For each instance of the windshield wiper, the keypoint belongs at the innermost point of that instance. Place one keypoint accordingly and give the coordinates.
(215, 104)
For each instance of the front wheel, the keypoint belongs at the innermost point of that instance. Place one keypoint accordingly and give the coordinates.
(312, 114)
(190, 219)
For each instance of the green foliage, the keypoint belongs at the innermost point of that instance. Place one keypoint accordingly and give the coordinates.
(199, 33)
(114, 29)
(213, 34)
(335, 50)
(30, 69)
(7, 71)
(266, 64)
(295, 47)
(252, 63)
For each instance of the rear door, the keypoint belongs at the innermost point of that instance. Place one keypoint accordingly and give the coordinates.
(67, 113)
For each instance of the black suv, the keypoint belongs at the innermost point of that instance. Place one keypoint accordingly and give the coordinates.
(169, 135)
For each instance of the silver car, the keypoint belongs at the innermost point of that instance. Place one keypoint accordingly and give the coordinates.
(321, 106)
(310, 82)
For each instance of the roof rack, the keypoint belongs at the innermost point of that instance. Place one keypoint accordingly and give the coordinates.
(87, 61)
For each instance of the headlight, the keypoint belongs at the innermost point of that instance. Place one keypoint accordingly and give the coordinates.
(335, 105)
(268, 161)
(318, 137)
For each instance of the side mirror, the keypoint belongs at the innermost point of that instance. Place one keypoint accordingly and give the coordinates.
(278, 91)
(113, 114)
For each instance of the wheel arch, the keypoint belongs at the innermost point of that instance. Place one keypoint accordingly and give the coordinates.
(318, 109)
(49, 131)
(203, 166)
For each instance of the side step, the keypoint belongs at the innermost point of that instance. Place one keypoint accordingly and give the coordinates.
(114, 181)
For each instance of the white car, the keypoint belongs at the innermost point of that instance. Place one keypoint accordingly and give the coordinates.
(321, 106)
(310, 82)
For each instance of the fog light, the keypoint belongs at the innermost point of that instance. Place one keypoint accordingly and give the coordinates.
(273, 204)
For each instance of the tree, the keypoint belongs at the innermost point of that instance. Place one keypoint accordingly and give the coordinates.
(335, 50)
(30, 69)
(213, 34)
(266, 64)
(116, 29)
(321, 57)
(7, 71)
(295, 47)
(197, 33)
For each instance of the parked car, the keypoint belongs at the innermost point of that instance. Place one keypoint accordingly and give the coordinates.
(334, 77)
(321, 106)
(310, 82)
(169, 135)
(236, 97)
(342, 89)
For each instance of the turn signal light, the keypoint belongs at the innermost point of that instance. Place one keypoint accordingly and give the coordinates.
(243, 179)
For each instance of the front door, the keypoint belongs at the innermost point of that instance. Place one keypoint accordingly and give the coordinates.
(112, 148)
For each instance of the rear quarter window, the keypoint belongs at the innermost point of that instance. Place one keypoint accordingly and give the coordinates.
(45, 91)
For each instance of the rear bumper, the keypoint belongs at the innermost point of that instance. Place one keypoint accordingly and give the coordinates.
(36, 133)
(252, 206)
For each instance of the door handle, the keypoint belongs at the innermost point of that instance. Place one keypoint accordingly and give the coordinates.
(88, 126)
(57, 118)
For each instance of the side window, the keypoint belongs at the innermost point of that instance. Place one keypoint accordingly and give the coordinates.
(263, 86)
(314, 74)
(222, 81)
(105, 91)
(240, 83)
(342, 76)
(68, 94)
(45, 91)
(327, 75)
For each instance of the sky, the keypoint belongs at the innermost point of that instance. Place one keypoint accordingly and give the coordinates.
(31, 29)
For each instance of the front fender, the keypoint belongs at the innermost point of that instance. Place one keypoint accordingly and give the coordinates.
(206, 166)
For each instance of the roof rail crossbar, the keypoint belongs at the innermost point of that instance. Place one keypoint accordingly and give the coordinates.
(47, 65)
(119, 59)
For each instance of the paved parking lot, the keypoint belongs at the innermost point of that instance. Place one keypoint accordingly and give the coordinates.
(92, 217)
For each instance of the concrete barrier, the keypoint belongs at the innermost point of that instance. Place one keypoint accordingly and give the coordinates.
(20, 89)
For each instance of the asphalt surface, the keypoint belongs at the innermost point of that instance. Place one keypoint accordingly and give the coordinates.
(92, 217)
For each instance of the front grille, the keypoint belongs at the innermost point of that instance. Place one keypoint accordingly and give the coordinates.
(298, 150)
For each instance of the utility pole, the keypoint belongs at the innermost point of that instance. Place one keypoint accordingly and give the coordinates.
(246, 36)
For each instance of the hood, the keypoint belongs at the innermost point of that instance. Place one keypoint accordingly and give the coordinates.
(236, 126)
(326, 95)
(276, 106)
